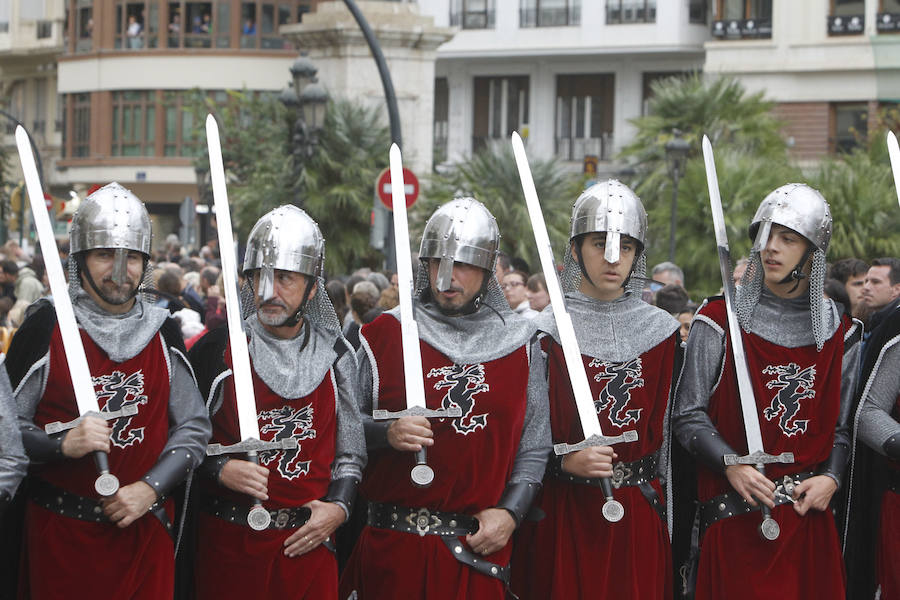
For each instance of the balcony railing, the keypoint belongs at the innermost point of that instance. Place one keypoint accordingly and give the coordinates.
(846, 24)
(577, 148)
(742, 29)
(887, 22)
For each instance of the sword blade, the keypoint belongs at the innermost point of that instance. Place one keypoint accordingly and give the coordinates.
(894, 152)
(240, 355)
(581, 389)
(745, 388)
(65, 316)
(409, 331)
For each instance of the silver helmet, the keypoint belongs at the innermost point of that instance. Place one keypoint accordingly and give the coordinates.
(613, 208)
(285, 238)
(463, 230)
(111, 217)
(795, 206)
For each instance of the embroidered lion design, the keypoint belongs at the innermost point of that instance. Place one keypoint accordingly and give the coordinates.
(119, 389)
(285, 423)
(615, 395)
(462, 383)
(793, 384)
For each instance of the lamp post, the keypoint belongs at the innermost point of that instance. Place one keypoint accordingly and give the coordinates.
(308, 100)
(676, 155)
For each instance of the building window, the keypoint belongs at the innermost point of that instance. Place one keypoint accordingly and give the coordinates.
(549, 13)
(472, 14)
(849, 125)
(888, 18)
(84, 25)
(44, 29)
(5, 10)
(501, 107)
(742, 19)
(441, 119)
(132, 26)
(649, 79)
(180, 135)
(584, 116)
(630, 11)
(81, 125)
(698, 12)
(133, 124)
(847, 17)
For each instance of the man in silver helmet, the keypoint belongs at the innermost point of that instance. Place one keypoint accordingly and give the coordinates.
(630, 350)
(73, 540)
(802, 357)
(304, 376)
(453, 538)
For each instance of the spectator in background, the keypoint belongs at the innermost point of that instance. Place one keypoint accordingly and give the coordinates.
(515, 291)
(881, 293)
(390, 298)
(363, 299)
(668, 273)
(684, 318)
(502, 267)
(169, 287)
(835, 290)
(348, 318)
(672, 299)
(9, 270)
(208, 278)
(134, 33)
(738, 273)
(6, 304)
(520, 264)
(28, 288)
(380, 281)
(536, 292)
(337, 293)
(851, 272)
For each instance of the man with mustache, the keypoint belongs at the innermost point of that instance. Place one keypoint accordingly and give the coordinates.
(451, 539)
(121, 546)
(802, 358)
(304, 379)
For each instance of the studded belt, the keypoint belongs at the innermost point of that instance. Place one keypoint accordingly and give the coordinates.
(282, 518)
(731, 504)
(642, 470)
(72, 506)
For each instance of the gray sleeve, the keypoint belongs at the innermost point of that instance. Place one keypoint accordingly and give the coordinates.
(536, 443)
(876, 426)
(39, 446)
(350, 450)
(375, 431)
(13, 462)
(703, 360)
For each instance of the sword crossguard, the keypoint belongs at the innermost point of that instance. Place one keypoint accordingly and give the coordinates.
(595, 440)
(758, 458)
(418, 411)
(251, 445)
(129, 410)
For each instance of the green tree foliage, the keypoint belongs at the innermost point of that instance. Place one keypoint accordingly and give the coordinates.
(335, 186)
(491, 176)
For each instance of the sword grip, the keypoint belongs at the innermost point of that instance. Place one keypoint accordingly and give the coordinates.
(768, 527)
(606, 487)
(421, 474)
(258, 518)
(254, 458)
(612, 511)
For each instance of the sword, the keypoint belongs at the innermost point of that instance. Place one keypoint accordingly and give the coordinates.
(421, 474)
(756, 455)
(590, 424)
(258, 518)
(106, 484)
(894, 152)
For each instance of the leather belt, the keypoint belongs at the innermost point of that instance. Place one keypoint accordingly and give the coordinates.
(449, 526)
(731, 504)
(282, 518)
(73, 506)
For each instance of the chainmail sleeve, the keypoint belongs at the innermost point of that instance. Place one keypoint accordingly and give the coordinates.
(536, 443)
(13, 462)
(876, 426)
(836, 464)
(703, 360)
(375, 431)
(350, 448)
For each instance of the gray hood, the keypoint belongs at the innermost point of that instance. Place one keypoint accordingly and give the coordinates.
(121, 336)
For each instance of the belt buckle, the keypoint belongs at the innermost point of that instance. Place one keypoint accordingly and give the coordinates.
(785, 488)
(620, 474)
(281, 518)
(423, 521)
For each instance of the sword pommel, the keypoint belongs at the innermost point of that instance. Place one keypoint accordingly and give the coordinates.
(596, 440)
(758, 458)
(251, 445)
(418, 411)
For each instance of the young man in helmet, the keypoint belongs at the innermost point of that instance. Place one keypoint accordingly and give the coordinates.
(452, 539)
(629, 349)
(802, 359)
(304, 379)
(121, 546)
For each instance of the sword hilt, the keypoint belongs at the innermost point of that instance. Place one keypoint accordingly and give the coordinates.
(106, 484)
(251, 446)
(258, 518)
(129, 410)
(418, 411)
(421, 474)
(595, 440)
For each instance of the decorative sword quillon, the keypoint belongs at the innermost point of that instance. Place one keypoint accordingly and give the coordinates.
(106, 484)
(756, 455)
(258, 517)
(590, 423)
(421, 474)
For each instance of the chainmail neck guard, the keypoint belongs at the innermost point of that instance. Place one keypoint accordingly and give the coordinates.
(823, 314)
(570, 278)
(614, 330)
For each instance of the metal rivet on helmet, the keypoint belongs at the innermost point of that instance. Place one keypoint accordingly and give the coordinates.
(98, 223)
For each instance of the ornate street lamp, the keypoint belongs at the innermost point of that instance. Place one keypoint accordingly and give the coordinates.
(308, 101)
(676, 155)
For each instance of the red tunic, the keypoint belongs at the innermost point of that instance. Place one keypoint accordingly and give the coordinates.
(472, 458)
(573, 552)
(99, 560)
(234, 561)
(797, 393)
(888, 560)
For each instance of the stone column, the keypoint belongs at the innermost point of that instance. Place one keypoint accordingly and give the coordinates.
(409, 41)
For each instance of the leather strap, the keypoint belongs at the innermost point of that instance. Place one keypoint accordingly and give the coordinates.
(640, 471)
(282, 518)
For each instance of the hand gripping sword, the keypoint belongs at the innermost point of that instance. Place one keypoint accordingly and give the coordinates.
(768, 528)
(421, 474)
(590, 424)
(258, 518)
(106, 484)
(894, 152)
